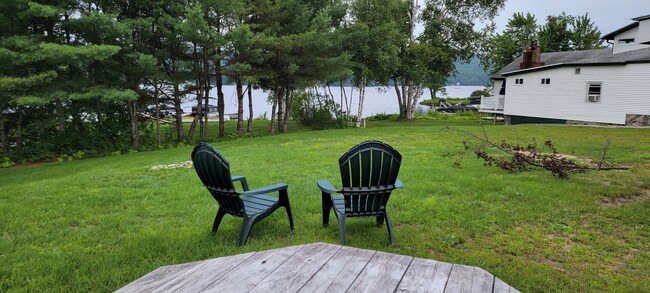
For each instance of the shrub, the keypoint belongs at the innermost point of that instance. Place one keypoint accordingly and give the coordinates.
(383, 117)
(316, 111)
(6, 163)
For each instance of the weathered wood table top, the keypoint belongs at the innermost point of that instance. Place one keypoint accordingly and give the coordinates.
(318, 267)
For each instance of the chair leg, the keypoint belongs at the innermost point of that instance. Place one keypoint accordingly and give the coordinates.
(341, 219)
(217, 220)
(284, 201)
(326, 203)
(245, 230)
(390, 229)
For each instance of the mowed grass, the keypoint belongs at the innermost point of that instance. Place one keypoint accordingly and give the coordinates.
(98, 224)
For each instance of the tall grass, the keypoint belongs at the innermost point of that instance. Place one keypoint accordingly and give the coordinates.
(98, 224)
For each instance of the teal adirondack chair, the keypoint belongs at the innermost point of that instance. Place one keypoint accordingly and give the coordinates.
(252, 205)
(369, 175)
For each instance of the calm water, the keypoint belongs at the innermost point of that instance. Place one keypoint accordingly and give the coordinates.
(378, 99)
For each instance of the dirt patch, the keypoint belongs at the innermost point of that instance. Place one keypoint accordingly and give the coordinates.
(187, 164)
(619, 201)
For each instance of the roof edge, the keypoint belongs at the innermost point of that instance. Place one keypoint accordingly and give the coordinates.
(506, 74)
(640, 18)
(613, 34)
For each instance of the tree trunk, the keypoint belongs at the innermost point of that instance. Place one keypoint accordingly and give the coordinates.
(240, 106)
(362, 93)
(410, 93)
(180, 132)
(199, 102)
(19, 128)
(206, 90)
(220, 100)
(273, 109)
(279, 97)
(3, 134)
(287, 104)
(400, 102)
(133, 113)
(249, 129)
(156, 98)
(337, 114)
(198, 116)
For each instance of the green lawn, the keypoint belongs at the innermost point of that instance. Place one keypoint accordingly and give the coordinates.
(98, 224)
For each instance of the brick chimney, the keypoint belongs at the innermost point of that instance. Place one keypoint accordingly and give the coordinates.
(532, 57)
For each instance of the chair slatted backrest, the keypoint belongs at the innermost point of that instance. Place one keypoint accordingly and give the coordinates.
(214, 171)
(368, 174)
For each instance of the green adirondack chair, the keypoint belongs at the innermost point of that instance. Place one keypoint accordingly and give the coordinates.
(252, 205)
(369, 175)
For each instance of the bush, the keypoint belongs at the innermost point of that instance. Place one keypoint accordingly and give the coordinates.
(316, 111)
(7, 163)
(383, 117)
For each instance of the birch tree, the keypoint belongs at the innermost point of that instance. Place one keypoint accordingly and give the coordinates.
(373, 40)
(448, 35)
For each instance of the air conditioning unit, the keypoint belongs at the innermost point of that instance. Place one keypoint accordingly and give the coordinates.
(593, 98)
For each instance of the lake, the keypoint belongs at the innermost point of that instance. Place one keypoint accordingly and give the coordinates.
(378, 99)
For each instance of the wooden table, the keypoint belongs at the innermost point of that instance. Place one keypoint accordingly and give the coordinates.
(318, 267)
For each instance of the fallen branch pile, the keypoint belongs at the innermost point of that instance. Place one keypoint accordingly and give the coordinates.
(516, 158)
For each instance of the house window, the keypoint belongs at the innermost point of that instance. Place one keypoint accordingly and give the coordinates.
(577, 70)
(546, 81)
(626, 41)
(593, 91)
(519, 81)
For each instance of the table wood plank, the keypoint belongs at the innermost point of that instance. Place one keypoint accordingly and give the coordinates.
(298, 269)
(201, 276)
(425, 275)
(502, 287)
(382, 274)
(157, 277)
(469, 279)
(340, 271)
(460, 279)
(318, 267)
(482, 281)
(259, 266)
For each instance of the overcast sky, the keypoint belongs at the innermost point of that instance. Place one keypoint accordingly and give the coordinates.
(608, 15)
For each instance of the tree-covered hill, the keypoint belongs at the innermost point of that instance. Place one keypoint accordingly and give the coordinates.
(471, 73)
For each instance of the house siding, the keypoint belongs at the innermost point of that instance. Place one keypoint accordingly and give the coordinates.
(625, 90)
(630, 34)
(644, 31)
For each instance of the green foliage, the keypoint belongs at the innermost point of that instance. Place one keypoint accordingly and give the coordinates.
(560, 33)
(554, 36)
(430, 102)
(501, 49)
(585, 34)
(315, 111)
(7, 162)
(383, 117)
(480, 93)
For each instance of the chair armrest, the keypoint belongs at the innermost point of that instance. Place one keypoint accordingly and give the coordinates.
(399, 184)
(266, 189)
(244, 183)
(326, 186)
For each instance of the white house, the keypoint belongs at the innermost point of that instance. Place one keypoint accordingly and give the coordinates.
(610, 86)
